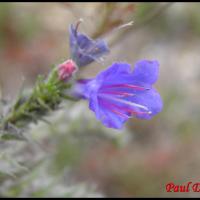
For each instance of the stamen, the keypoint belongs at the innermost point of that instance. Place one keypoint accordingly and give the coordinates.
(115, 109)
(136, 87)
(122, 94)
(120, 114)
(131, 111)
(110, 108)
(123, 101)
(139, 112)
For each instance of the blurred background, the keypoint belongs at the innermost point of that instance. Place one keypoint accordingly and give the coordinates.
(75, 156)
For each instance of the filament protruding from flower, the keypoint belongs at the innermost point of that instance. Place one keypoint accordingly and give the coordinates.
(122, 26)
(118, 93)
(134, 112)
(136, 87)
(78, 23)
(118, 110)
(123, 101)
(113, 108)
(120, 114)
(125, 25)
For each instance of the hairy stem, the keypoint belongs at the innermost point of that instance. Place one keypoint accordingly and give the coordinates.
(45, 96)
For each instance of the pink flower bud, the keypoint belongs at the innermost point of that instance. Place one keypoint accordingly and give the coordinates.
(66, 70)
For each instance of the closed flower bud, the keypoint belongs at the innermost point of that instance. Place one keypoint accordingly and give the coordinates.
(66, 70)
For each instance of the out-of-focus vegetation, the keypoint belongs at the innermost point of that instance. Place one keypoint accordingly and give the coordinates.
(75, 155)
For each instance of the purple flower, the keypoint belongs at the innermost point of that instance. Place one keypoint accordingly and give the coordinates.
(117, 93)
(83, 49)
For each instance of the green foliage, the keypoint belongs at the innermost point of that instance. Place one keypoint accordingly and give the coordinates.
(30, 107)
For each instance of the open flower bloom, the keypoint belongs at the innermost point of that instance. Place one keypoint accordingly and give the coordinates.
(83, 49)
(117, 93)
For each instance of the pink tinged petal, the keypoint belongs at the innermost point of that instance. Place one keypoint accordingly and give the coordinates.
(66, 70)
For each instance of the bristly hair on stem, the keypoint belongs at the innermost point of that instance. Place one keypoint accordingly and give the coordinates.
(33, 106)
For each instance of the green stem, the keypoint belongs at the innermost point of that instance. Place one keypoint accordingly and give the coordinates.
(45, 96)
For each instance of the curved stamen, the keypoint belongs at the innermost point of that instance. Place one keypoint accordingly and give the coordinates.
(140, 113)
(111, 107)
(120, 94)
(120, 114)
(77, 25)
(123, 101)
(130, 110)
(115, 109)
(136, 87)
